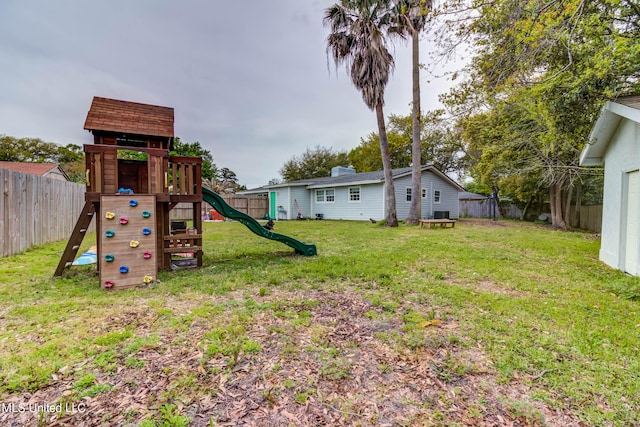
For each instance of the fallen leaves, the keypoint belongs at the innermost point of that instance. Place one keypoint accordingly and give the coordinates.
(339, 367)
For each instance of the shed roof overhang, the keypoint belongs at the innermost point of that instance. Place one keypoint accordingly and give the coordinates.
(605, 127)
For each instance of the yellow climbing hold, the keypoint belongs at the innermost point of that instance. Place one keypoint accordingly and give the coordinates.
(147, 279)
(134, 243)
(110, 215)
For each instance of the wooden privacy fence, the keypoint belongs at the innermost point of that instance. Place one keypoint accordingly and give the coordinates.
(590, 218)
(36, 210)
(254, 206)
(481, 208)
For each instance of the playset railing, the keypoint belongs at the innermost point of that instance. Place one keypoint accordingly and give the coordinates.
(185, 175)
(161, 174)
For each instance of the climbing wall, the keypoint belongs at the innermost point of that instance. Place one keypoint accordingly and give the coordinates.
(127, 247)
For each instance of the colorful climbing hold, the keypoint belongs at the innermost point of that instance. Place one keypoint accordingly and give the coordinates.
(147, 279)
(109, 215)
(146, 214)
(108, 284)
(146, 231)
(133, 203)
(109, 257)
(124, 269)
(134, 243)
(109, 233)
(124, 220)
(146, 255)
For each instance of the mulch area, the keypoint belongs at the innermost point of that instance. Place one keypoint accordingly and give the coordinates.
(346, 367)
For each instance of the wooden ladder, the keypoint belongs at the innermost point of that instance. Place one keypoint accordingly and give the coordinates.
(75, 240)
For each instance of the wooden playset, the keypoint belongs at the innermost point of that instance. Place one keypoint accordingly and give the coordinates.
(132, 184)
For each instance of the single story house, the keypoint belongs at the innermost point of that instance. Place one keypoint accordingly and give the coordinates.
(615, 144)
(348, 195)
(48, 170)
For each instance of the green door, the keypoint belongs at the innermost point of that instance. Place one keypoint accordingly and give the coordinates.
(273, 211)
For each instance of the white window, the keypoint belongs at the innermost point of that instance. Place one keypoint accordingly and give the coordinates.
(408, 194)
(325, 196)
(354, 194)
(424, 193)
(330, 196)
(436, 196)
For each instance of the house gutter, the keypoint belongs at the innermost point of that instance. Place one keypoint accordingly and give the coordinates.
(344, 184)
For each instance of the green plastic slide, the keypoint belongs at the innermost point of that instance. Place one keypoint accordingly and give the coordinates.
(227, 211)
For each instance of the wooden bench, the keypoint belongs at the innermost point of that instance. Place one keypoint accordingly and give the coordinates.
(442, 222)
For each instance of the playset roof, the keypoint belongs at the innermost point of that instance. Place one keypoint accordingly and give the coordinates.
(112, 115)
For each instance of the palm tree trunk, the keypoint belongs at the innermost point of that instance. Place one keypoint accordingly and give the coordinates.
(415, 209)
(390, 192)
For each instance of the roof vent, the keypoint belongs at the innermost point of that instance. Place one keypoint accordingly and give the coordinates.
(342, 170)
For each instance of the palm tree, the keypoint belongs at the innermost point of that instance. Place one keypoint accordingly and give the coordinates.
(412, 18)
(358, 40)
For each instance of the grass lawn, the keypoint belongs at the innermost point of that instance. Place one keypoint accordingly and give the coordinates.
(488, 323)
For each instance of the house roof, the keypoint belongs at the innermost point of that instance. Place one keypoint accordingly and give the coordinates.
(611, 115)
(39, 169)
(360, 178)
(112, 115)
(257, 190)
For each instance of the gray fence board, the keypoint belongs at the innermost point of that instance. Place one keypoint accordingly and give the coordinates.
(36, 210)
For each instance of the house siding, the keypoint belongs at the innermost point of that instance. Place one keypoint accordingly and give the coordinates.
(369, 205)
(622, 157)
(372, 197)
(301, 195)
(431, 182)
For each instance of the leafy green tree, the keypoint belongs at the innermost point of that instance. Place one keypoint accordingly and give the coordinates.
(366, 157)
(69, 157)
(358, 40)
(477, 187)
(313, 163)
(440, 145)
(225, 181)
(539, 76)
(194, 149)
(27, 150)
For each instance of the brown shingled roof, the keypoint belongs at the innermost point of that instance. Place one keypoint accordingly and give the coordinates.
(630, 101)
(30, 168)
(113, 115)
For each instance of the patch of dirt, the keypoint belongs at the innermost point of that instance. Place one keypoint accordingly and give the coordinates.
(351, 363)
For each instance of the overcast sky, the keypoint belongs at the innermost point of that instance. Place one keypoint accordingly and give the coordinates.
(248, 79)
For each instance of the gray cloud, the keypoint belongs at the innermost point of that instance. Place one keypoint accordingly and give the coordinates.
(248, 79)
